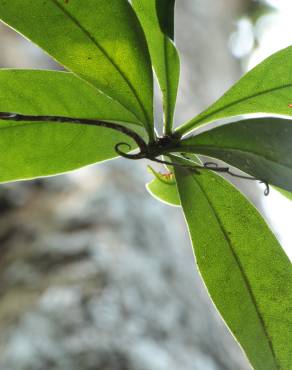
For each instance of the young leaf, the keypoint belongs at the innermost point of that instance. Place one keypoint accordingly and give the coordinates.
(163, 188)
(247, 274)
(260, 147)
(99, 40)
(156, 17)
(32, 149)
(265, 89)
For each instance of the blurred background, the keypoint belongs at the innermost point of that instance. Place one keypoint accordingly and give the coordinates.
(97, 275)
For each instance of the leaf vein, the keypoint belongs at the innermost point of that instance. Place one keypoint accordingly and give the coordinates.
(96, 43)
(244, 276)
(203, 117)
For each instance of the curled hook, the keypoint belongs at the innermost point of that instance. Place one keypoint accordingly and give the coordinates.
(149, 151)
(213, 166)
(123, 154)
(267, 189)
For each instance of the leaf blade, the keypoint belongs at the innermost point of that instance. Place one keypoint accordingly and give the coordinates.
(157, 19)
(247, 273)
(260, 147)
(265, 89)
(101, 42)
(163, 188)
(30, 150)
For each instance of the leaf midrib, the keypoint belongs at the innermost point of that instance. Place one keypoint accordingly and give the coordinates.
(203, 118)
(28, 123)
(96, 43)
(244, 276)
(167, 92)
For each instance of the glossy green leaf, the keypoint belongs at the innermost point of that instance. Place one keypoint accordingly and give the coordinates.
(248, 275)
(32, 149)
(156, 17)
(99, 40)
(260, 147)
(265, 89)
(163, 187)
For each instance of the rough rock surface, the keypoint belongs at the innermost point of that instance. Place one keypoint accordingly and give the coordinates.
(97, 275)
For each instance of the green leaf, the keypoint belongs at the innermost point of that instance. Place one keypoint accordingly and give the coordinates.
(163, 187)
(248, 276)
(260, 147)
(156, 17)
(265, 89)
(99, 40)
(32, 149)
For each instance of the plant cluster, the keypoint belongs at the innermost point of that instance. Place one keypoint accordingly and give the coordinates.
(52, 122)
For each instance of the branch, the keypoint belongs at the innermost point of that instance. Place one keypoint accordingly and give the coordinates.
(7, 116)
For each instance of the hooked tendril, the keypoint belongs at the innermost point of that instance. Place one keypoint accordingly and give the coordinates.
(149, 151)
